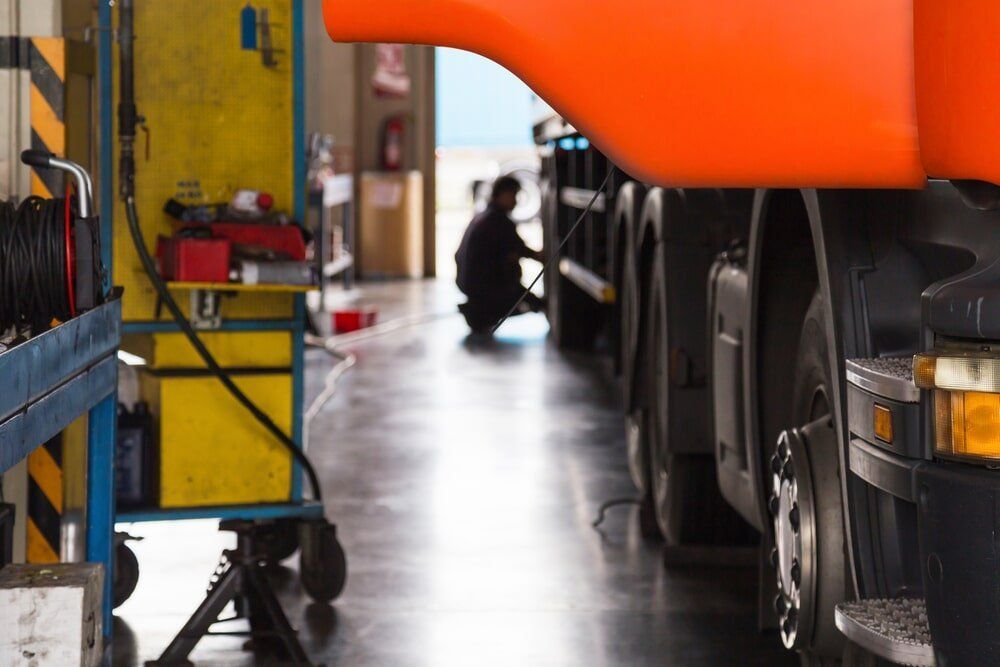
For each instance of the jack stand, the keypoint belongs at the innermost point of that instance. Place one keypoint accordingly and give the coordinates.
(240, 579)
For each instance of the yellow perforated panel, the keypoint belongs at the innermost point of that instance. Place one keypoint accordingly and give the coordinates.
(218, 120)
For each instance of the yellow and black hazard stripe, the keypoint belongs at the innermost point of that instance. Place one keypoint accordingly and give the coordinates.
(45, 59)
(47, 63)
(45, 502)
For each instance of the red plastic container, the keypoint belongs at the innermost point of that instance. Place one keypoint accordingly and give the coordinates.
(194, 260)
(346, 321)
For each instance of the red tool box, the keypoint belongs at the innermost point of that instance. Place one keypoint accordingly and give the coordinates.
(283, 239)
(199, 260)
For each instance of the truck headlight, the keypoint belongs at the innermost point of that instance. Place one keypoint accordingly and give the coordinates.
(966, 403)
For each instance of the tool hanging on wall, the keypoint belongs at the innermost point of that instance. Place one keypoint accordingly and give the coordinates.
(254, 24)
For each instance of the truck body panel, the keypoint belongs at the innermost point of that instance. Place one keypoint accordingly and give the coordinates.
(957, 59)
(682, 93)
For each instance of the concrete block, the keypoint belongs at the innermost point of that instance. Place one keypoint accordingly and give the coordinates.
(51, 615)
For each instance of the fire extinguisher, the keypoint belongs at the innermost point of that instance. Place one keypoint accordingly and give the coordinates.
(393, 142)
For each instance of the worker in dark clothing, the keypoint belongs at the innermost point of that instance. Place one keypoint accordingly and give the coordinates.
(488, 259)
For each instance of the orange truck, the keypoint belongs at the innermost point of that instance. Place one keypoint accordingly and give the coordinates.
(792, 256)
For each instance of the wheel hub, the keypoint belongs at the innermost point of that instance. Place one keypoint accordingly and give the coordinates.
(791, 506)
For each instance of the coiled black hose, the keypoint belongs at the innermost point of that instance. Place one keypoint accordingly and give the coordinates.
(34, 287)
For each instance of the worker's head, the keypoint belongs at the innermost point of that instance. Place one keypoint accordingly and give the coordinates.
(504, 195)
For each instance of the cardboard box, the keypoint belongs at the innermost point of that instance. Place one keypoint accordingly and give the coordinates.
(391, 224)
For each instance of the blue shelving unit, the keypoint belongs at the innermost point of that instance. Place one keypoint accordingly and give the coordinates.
(50, 381)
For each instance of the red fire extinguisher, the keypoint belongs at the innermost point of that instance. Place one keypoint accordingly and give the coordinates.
(393, 142)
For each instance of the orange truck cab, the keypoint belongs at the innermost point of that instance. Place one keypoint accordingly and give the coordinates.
(802, 201)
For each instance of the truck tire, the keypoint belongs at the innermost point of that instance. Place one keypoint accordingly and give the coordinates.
(688, 506)
(625, 318)
(806, 505)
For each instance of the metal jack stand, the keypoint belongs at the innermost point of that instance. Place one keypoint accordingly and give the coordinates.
(241, 579)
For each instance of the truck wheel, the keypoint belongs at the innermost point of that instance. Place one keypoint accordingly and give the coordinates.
(806, 505)
(626, 310)
(636, 432)
(688, 506)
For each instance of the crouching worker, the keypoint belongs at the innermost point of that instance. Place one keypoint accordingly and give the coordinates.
(488, 259)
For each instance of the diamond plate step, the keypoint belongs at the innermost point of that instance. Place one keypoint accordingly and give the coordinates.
(892, 629)
(891, 377)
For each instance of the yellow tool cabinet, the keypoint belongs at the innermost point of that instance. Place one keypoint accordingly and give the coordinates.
(216, 118)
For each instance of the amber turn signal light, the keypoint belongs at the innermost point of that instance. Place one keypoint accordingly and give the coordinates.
(966, 403)
(882, 420)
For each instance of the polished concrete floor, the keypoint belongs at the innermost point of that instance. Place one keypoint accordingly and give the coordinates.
(464, 478)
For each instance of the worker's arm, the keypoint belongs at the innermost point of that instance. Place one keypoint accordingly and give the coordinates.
(520, 248)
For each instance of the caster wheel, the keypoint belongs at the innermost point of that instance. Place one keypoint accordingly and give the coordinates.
(278, 540)
(126, 575)
(323, 565)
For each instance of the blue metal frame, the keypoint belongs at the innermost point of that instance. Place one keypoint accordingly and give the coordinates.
(102, 430)
(299, 189)
(107, 160)
(309, 508)
(227, 325)
(53, 379)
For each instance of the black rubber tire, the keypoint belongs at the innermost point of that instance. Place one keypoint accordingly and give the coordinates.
(688, 505)
(638, 454)
(625, 314)
(323, 564)
(811, 399)
(126, 576)
(279, 540)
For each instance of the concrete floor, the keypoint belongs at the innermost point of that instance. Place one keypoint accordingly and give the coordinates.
(464, 479)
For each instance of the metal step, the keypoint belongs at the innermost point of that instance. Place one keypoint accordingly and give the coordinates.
(592, 284)
(892, 629)
(891, 377)
(580, 198)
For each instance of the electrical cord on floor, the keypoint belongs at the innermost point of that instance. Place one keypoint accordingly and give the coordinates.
(185, 326)
(608, 504)
(555, 255)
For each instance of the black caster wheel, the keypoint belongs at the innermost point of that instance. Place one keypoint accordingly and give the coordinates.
(278, 539)
(323, 565)
(126, 575)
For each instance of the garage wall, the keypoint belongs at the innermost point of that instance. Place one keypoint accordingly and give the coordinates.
(329, 79)
(371, 113)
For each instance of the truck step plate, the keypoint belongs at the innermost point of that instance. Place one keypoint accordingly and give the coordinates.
(890, 377)
(892, 629)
